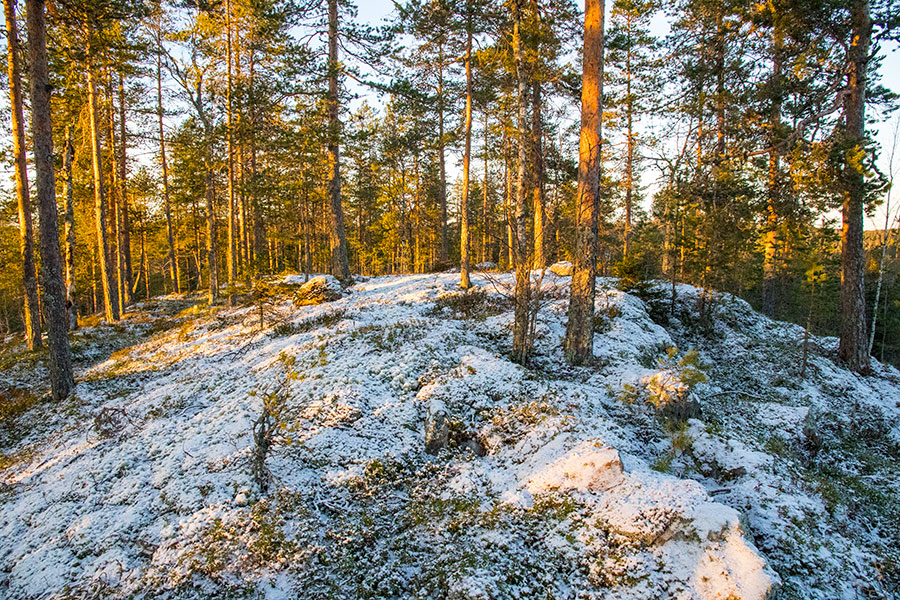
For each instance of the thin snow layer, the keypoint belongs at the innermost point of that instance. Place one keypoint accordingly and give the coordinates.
(141, 486)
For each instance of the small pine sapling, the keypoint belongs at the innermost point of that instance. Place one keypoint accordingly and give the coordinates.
(273, 424)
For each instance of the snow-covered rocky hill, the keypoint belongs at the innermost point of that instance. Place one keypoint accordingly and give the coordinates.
(691, 461)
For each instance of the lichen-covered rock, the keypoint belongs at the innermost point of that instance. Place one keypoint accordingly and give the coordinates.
(319, 289)
(562, 268)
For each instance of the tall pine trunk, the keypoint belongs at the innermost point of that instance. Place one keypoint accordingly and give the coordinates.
(773, 186)
(853, 348)
(232, 258)
(520, 240)
(340, 265)
(211, 245)
(443, 255)
(26, 229)
(68, 159)
(61, 378)
(110, 296)
(580, 325)
(123, 197)
(467, 159)
(174, 271)
(537, 134)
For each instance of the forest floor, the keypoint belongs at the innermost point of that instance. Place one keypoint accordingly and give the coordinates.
(692, 460)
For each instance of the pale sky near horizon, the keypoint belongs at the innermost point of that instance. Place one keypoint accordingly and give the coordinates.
(375, 11)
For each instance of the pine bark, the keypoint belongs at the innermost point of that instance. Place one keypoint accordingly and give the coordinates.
(211, 245)
(125, 251)
(174, 270)
(579, 328)
(853, 348)
(340, 265)
(26, 228)
(110, 297)
(773, 188)
(537, 134)
(54, 293)
(467, 159)
(442, 163)
(520, 240)
(232, 258)
(68, 159)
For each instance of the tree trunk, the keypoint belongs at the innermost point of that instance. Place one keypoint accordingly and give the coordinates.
(68, 159)
(773, 191)
(110, 297)
(467, 159)
(340, 265)
(232, 257)
(486, 202)
(537, 133)
(174, 271)
(26, 232)
(61, 378)
(520, 240)
(211, 246)
(443, 255)
(853, 345)
(629, 142)
(123, 194)
(580, 325)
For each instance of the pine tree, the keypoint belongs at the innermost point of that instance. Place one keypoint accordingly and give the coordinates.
(52, 282)
(26, 232)
(580, 325)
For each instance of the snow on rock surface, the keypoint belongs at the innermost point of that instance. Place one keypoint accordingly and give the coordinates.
(581, 492)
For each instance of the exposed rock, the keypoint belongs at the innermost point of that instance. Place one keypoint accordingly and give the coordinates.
(474, 445)
(562, 268)
(586, 467)
(319, 289)
(486, 266)
(437, 427)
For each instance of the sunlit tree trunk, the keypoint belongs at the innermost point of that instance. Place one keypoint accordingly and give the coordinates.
(520, 239)
(110, 295)
(123, 196)
(467, 159)
(340, 265)
(54, 296)
(68, 158)
(853, 348)
(580, 325)
(773, 187)
(174, 270)
(211, 246)
(26, 229)
(537, 133)
(232, 258)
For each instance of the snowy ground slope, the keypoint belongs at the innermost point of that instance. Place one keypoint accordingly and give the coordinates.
(141, 485)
